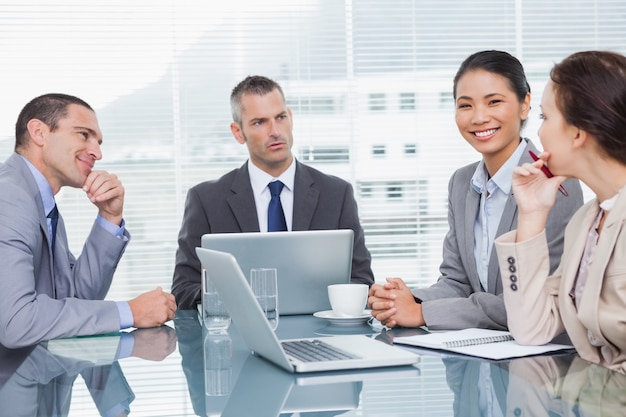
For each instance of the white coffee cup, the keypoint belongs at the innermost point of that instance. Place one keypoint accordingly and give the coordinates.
(348, 300)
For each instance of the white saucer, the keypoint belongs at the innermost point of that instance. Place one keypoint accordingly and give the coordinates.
(343, 321)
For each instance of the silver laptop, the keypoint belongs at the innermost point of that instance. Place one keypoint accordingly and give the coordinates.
(355, 351)
(307, 262)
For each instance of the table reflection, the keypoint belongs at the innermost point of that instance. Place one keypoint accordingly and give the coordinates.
(565, 386)
(38, 381)
(259, 387)
(215, 375)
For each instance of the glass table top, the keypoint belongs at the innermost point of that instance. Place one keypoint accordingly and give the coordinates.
(181, 370)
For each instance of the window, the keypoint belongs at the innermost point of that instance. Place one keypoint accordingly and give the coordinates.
(379, 150)
(325, 154)
(446, 99)
(407, 101)
(377, 102)
(320, 105)
(159, 75)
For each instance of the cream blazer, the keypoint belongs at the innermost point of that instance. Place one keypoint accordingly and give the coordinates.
(539, 306)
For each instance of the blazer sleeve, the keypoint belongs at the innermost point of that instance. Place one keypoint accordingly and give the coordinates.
(186, 282)
(530, 259)
(361, 258)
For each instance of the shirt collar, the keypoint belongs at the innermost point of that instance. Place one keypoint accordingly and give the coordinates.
(259, 178)
(610, 202)
(43, 185)
(503, 178)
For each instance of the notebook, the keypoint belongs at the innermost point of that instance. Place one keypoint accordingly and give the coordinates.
(237, 296)
(307, 262)
(484, 343)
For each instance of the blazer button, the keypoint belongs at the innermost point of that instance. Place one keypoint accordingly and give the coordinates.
(513, 278)
(514, 287)
(510, 260)
(517, 412)
(512, 268)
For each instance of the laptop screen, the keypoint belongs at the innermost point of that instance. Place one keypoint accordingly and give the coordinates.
(307, 262)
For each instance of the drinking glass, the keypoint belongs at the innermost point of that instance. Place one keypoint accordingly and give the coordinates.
(265, 288)
(214, 313)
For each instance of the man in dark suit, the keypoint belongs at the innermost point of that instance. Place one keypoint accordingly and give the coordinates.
(238, 201)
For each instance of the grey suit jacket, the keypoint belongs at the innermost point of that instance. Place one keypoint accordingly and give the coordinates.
(457, 300)
(320, 202)
(42, 299)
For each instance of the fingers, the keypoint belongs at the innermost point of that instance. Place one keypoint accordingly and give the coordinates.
(385, 316)
(107, 193)
(153, 308)
(395, 284)
(102, 186)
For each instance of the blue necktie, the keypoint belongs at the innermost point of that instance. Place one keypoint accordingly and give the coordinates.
(54, 219)
(275, 215)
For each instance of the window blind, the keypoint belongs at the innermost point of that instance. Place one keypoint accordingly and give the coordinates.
(369, 83)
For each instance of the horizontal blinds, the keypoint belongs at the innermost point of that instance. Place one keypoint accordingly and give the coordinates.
(369, 83)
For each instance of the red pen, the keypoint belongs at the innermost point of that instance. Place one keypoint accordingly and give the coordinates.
(546, 171)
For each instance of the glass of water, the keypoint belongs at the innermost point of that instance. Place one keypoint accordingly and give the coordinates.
(214, 313)
(265, 288)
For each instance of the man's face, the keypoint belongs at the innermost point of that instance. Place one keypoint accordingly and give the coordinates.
(71, 150)
(266, 128)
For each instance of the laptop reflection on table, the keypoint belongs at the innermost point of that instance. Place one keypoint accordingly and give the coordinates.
(271, 391)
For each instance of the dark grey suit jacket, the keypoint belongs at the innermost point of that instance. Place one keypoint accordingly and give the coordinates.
(42, 299)
(457, 300)
(320, 202)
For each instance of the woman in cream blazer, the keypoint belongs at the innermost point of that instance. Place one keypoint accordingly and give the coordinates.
(584, 136)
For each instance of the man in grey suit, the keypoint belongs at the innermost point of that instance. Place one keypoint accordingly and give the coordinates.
(458, 300)
(238, 201)
(47, 293)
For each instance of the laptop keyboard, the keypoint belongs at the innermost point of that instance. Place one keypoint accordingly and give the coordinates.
(315, 351)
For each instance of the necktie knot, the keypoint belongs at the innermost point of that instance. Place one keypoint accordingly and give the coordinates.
(54, 213)
(275, 188)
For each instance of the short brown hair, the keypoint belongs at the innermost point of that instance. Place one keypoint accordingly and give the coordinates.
(49, 108)
(253, 84)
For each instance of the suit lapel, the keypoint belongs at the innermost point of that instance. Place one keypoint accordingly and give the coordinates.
(305, 198)
(508, 222)
(241, 201)
(472, 205)
(611, 229)
(25, 177)
(569, 270)
(63, 286)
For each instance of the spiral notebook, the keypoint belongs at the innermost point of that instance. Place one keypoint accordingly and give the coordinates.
(484, 343)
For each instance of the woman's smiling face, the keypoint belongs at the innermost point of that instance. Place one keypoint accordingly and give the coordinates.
(489, 115)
